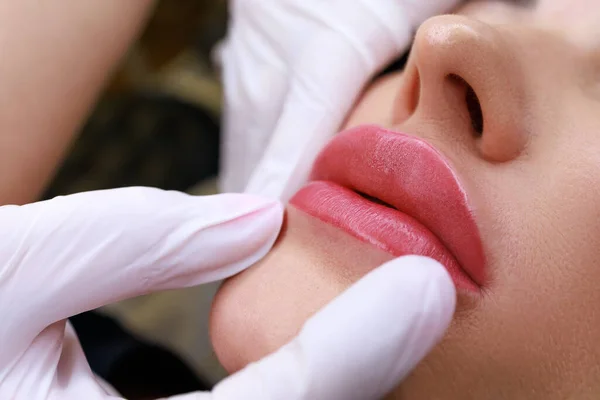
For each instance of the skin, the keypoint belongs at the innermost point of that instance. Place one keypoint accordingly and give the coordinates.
(55, 61)
(533, 178)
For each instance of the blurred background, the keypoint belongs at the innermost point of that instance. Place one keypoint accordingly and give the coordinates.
(157, 124)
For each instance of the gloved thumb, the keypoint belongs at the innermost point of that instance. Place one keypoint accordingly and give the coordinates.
(359, 346)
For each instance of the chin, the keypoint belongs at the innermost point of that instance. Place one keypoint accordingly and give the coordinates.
(262, 308)
(265, 306)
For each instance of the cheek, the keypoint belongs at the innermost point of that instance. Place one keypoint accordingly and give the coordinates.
(375, 106)
(536, 328)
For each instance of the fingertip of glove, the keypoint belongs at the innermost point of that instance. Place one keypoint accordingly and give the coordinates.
(231, 232)
(264, 214)
(425, 276)
(267, 212)
(419, 271)
(242, 204)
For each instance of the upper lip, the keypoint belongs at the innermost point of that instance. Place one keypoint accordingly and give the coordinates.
(412, 176)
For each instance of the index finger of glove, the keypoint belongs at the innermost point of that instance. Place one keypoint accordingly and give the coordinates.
(71, 254)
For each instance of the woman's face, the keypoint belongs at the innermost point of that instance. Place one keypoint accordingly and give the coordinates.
(508, 96)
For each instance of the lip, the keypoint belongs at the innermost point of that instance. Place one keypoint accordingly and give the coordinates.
(426, 210)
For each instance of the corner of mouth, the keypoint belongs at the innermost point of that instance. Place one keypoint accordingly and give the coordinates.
(380, 202)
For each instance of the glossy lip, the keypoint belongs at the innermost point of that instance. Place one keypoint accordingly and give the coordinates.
(427, 211)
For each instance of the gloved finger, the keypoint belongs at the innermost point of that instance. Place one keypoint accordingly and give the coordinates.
(319, 98)
(362, 344)
(249, 115)
(255, 79)
(75, 253)
(302, 129)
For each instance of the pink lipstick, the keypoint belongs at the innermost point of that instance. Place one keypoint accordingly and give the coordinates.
(400, 194)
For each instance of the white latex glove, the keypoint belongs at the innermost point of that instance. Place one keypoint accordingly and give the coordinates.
(75, 253)
(292, 70)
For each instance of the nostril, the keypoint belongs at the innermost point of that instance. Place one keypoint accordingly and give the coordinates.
(474, 108)
(415, 94)
(473, 105)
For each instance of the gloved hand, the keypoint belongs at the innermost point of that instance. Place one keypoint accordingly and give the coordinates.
(75, 253)
(292, 70)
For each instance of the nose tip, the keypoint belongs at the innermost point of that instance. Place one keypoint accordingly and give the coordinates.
(462, 72)
(442, 34)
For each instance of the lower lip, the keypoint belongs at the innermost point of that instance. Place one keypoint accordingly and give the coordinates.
(386, 228)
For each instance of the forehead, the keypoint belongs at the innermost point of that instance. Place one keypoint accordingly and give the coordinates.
(577, 20)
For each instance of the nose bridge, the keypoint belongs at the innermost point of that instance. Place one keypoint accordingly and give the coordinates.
(450, 49)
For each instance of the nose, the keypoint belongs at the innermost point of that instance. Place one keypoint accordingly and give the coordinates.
(463, 74)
